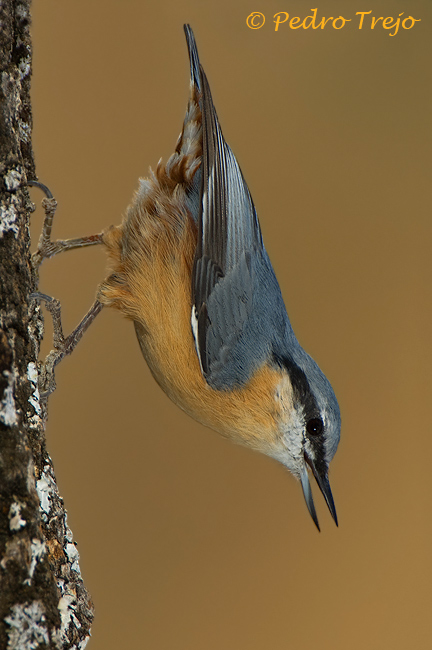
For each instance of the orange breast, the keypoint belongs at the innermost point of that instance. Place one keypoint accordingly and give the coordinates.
(151, 255)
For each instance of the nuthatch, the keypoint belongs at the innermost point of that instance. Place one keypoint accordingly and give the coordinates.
(189, 268)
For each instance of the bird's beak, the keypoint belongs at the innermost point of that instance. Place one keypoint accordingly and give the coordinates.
(324, 485)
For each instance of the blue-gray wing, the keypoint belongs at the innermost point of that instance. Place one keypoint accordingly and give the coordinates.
(237, 306)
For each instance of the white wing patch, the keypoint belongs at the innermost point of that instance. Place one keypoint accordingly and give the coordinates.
(194, 324)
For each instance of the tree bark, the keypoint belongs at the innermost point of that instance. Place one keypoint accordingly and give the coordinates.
(43, 601)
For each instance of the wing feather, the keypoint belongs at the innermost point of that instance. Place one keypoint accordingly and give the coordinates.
(231, 263)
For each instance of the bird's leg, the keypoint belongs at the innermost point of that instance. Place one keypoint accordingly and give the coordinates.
(62, 345)
(45, 249)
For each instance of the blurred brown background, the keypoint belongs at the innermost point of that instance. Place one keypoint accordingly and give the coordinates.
(188, 542)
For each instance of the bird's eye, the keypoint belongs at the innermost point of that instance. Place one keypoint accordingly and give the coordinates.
(315, 426)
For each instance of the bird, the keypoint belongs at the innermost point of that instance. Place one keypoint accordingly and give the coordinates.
(189, 267)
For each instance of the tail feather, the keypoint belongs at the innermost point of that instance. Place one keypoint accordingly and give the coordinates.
(193, 57)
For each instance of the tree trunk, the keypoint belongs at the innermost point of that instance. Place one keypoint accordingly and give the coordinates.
(43, 601)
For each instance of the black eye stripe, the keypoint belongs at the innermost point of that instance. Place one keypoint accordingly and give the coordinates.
(304, 396)
(315, 427)
(300, 385)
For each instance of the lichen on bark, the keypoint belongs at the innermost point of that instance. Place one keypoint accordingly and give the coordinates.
(43, 600)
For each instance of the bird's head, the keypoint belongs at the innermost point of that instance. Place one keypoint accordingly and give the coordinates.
(310, 427)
